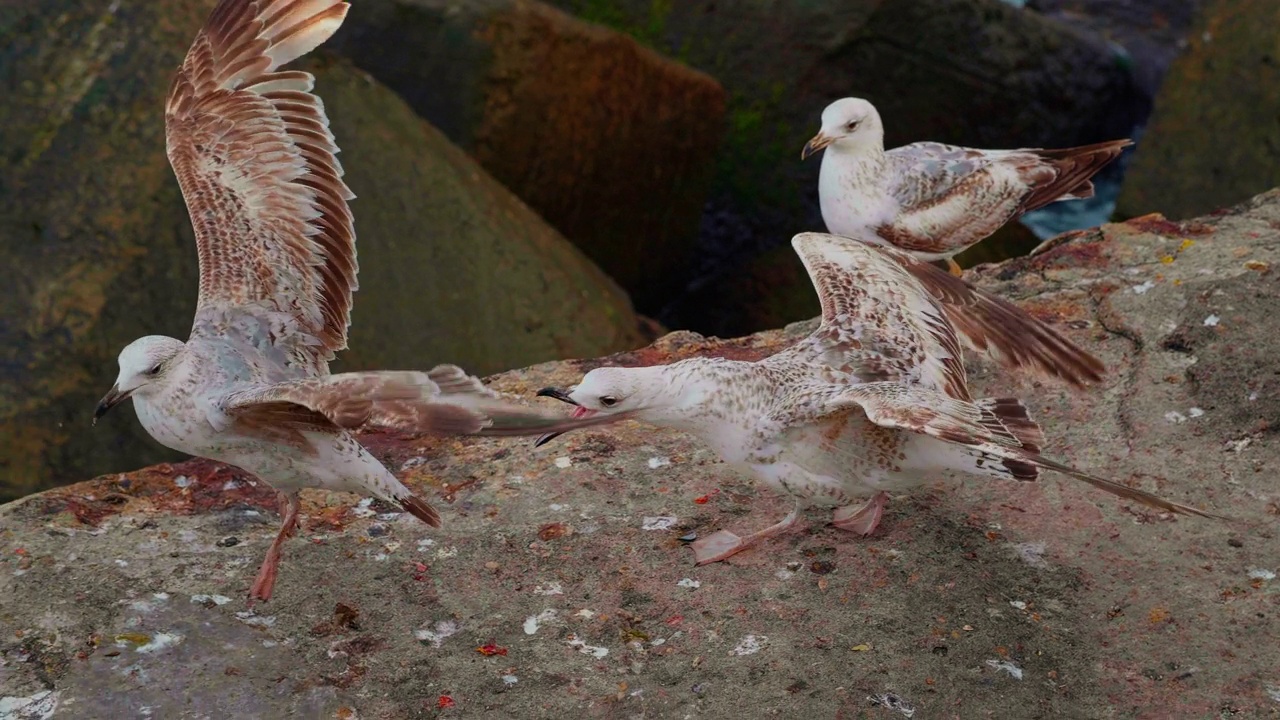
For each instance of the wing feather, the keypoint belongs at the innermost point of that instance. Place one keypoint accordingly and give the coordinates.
(925, 411)
(952, 197)
(877, 323)
(253, 153)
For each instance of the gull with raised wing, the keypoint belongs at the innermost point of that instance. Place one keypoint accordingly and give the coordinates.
(874, 401)
(251, 147)
(937, 200)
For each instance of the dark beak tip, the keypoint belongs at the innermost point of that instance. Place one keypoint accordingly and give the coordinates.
(543, 440)
(549, 392)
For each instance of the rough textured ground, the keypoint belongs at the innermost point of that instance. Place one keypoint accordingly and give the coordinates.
(559, 586)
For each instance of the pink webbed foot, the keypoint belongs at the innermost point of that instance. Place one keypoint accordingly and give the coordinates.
(863, 520)
(723, 544)
(266, 580)
(716, 547)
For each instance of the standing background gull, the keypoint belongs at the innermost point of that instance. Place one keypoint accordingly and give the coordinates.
(253, 153)
(875, 400)
(937, 200)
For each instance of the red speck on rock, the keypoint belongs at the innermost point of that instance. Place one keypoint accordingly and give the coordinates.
(489, 650)
(445, 702)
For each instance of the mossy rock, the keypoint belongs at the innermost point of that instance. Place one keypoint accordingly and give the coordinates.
(99, 248)
(1214, 136)
(613, 144)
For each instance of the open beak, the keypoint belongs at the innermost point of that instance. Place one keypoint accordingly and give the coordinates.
(562, 396)
(818, 142)
(113, 398)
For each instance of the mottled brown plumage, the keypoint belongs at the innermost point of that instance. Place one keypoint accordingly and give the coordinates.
(874, 400)
(257, 165)
(937, 200)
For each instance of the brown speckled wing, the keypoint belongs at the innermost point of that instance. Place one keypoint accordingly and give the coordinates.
(952, 197)
(253, 153)
(1001, 330)
(877, 322)
(998, 427)
(400, 400)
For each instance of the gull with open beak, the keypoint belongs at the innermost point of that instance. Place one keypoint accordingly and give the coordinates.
(252, 150)
(874, 401)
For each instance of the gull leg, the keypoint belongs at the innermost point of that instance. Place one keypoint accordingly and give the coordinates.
(863, 520)
(721, 544)
(289, 505)
(954, 268)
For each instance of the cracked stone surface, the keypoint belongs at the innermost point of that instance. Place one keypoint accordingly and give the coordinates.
(560, 587)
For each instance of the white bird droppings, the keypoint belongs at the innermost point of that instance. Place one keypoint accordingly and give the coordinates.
(689, 583)
(1014, 671)
(592, 650)
(661, 522)
(1211, 321)
(533, 622)
(160, 641)
(437, 633)
(657, 462)
(1144, 287)
(215, 599)
(1261, 574)
(39, 706)
(750, 645)
(551, 588)
(563, 462)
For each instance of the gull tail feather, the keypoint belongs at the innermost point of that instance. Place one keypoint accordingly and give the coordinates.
(1073, 168)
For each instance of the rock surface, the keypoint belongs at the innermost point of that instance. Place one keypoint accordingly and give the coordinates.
(613, 144)
(559, 586)
(1214, 138)
(98, 247)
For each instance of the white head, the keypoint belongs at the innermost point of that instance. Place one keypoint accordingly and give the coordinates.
(144, 364)
(654, 394)
(848, 124)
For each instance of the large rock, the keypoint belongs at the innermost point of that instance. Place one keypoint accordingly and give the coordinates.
(98, 247)
(973, 72)
(610, 142)
(556, 588)
(1213, 139)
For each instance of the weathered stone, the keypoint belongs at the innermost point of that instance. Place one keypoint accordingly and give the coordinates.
(98, 247)
(1213, 139)
(544, 595)
(610, 142)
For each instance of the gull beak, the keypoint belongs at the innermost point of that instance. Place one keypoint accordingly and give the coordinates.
(818, 142)
(562, 396)
(113, 398)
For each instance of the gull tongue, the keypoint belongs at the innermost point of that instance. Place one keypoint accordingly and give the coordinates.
(580, 411)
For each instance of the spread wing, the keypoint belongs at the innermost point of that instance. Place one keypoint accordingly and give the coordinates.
(444, 401)
(997, 427)
(999, 329)
(878, 322)
(951, 197)
(251, 147)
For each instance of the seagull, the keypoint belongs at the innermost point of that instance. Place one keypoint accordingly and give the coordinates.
(937, 200)
(874, 401)
(252, 150)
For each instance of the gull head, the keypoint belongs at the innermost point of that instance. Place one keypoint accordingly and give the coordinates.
(144, 363)
(848, 124)
(643, 392)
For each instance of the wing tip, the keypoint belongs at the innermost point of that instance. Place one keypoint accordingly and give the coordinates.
(421, 509)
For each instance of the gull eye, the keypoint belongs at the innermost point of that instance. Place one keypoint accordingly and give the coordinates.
(852, 125)
(608, 401)
(155, 370)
